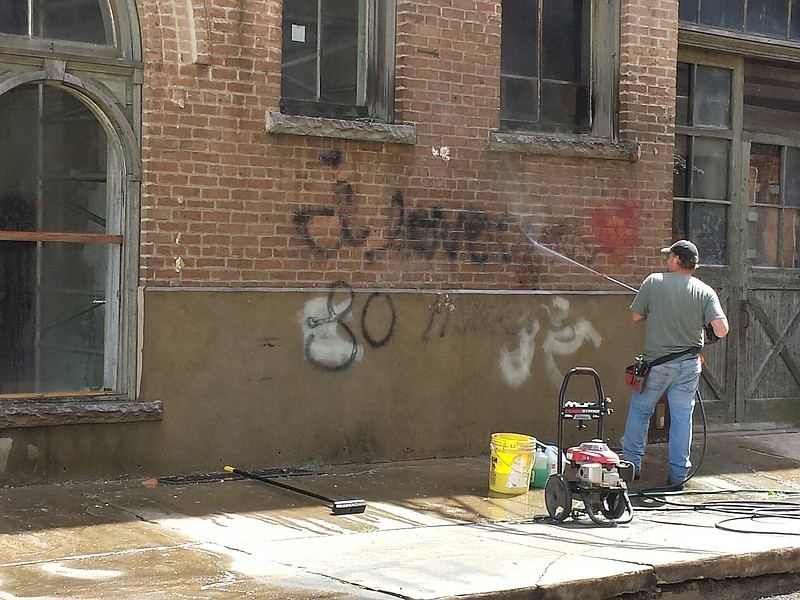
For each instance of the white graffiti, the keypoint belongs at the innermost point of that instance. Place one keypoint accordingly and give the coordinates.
(328, 342)
(516, 364)
(564, 337)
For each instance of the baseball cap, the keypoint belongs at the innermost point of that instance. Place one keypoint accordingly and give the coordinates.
(684, 249)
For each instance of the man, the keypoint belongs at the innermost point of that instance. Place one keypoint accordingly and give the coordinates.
(675, 306)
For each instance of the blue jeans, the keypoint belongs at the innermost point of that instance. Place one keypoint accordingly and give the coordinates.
(679, 379)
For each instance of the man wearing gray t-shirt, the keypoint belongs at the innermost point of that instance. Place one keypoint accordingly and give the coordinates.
(675, 307)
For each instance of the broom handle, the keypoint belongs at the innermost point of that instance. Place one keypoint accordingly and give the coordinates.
(285, 486)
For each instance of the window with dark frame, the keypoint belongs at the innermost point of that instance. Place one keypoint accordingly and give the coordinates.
(338, 58)
(772, 121)
(703, 134)
(777, 19)
(774, 214)
(545, 66)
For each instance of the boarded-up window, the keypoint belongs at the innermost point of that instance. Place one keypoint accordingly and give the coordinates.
(771, 99)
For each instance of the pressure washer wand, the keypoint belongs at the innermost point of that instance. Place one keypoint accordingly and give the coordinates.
(338, 507)
(577, 264)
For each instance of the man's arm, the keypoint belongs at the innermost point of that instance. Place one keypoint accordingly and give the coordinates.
(720, 327)
(637, 317)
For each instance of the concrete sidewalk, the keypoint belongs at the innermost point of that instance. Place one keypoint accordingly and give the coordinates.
(431, 530)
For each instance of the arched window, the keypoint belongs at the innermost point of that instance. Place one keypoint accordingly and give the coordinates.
(87, 21)
(68, 205)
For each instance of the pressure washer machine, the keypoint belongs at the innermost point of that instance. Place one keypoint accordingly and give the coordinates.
(601, 478)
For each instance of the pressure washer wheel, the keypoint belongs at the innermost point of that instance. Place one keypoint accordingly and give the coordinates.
(558, 497)
(613, 505)
(607, 507)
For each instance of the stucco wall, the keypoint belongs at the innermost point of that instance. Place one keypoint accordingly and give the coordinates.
(273, 379)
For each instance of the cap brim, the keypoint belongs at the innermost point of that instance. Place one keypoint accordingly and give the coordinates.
(666, 250)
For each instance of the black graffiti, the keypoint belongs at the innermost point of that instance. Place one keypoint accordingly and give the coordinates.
(339, 319)
(345, 201)
(333, 317)
(472, 235)
(332, 157)
(441, 306)
(377, 343)
(303, 220)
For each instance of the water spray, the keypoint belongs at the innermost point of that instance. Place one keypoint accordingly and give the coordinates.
(577, 264)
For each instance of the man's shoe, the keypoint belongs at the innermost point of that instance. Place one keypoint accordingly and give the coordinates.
(678, 487)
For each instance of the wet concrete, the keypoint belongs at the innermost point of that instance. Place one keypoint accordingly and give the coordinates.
(431, 530)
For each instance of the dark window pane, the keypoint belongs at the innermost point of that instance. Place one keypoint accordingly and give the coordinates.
(712, 96)
(520, 38)
(341, 51)
(77, 20)
(17, 293)
(727, 14)
(559, 102)
(562, 38)
(72, 327)
(709, 176)
(680, 160)
(72, 183)
(545, 81)
(519, 99)
(52, 336)
(687, 11)
(708, 228)
(792, 197)
(794, 28)
(299, 63)
(765, 174)
(768, 17)
(682, 98)
(13, 17)
(18, 152)
(680, 219)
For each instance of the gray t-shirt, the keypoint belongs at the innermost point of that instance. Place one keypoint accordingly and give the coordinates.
(676, 307)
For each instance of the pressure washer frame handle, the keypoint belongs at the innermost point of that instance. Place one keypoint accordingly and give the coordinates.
(580, 412)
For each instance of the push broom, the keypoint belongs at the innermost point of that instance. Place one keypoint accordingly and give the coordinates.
(338, 507)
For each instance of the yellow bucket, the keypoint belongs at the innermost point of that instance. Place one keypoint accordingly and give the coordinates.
(511, 462)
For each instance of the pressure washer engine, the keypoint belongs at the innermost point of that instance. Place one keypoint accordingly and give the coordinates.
(601, 477)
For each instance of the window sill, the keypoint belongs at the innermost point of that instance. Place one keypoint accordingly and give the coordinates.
(341, 129)
(44, 414)
(564, 145)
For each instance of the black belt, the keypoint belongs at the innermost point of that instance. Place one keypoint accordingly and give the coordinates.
(664, 359)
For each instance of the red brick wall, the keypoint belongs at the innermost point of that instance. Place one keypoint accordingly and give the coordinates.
(224, 203)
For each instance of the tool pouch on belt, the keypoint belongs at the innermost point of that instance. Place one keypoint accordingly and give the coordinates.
(636, 373)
